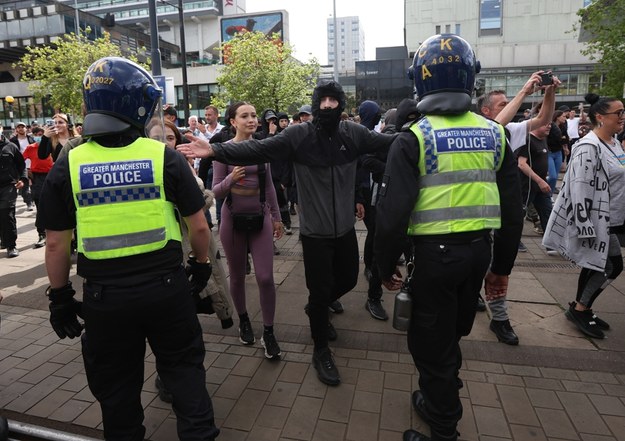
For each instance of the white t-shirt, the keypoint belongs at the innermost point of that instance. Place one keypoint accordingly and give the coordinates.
(572, 127)
(208, 135)
(518, 134)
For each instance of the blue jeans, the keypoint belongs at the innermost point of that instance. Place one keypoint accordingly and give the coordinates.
(542, 203)
(555, 161)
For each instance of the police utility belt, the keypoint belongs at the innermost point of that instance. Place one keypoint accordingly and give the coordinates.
(250, 222)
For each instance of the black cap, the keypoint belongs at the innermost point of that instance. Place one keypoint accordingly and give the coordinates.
(270, 114)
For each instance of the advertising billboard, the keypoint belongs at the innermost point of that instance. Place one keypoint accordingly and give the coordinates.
(267, 23)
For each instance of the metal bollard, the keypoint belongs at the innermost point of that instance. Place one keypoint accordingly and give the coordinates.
(43, 433)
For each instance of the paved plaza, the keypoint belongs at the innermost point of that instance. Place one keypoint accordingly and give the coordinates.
(556, 385)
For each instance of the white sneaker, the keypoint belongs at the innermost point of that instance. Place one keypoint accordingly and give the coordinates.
(552, 252)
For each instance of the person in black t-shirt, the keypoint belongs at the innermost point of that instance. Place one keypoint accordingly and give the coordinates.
(533, 165)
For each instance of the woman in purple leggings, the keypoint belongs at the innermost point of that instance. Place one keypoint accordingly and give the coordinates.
(240, 187)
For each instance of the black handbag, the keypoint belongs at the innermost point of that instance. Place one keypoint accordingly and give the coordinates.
(251, 222)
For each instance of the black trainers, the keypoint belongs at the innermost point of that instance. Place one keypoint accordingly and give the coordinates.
(336, 307)
(418, 404)
(41, 242)
(375, 308)
(413, 435)
(12, 252)
(326, 369)
(246, 334)
(272, 350)
(287, 230)
(584, 321)
(601, 324)
(163, 393)
(504, 332)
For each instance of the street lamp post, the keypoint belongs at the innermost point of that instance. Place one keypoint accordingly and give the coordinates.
(10, 100)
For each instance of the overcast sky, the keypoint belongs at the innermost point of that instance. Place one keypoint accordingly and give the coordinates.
(382, 22)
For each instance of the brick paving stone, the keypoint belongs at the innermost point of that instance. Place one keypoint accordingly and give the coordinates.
(22, 331)
(491, 421)
(303, 418)
(232, 387)
(329, 431)
(272, 417)
(283, 394)
(41, 357)
(216, 375)
(582, 413)
(40, 373)
(91, 416)
(527, 433)
(608, 405)
(466, 426)
(349, 375)
(543, 398)
(246, 366)
(517, 406)
(370, 381)
(597, 377)
(311, 386)
(75, 384)
(390, 435)
(473, 376)
(367, 401)
(222, 406)
(69, 410)
(582, 387)
(293, 372)
(483, 394)
(260, 433)
(227, 361)
(362, 426)
(364, 364)
(594, 437)
(67, 356)
(85, 395)
(70, 369)
(297, 357)
(556, 424)
(406, 358)
(337, 403)
(520, 370)
(543, 383)
(400, 368)
(616, 425)
(52, 402)
(12, 375)
(266, 375)
(28, 351)
(383, 356)
(615, 390)
(510, 380)
(484, 366)
(35, 394)
(559, 374)
(244, 350)
(167, 431)
(246, 410)
(154, 418)
(396, 410)
(397, 381)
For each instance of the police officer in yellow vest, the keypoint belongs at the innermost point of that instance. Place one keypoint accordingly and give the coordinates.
(450, 179)
(118, 190)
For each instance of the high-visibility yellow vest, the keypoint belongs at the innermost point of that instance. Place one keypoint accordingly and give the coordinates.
(458, 160)
(119, 194)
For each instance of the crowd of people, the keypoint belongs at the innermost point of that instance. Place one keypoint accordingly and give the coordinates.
(449, 202)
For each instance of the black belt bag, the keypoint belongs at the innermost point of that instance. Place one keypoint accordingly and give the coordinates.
(250, 222)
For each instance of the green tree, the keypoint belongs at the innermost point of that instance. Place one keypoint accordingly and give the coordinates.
(602, 28)
(262, 72)
(56, 71)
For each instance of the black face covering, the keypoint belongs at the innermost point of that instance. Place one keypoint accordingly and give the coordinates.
(329, 119)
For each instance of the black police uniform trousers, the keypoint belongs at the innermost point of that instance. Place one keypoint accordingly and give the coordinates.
(8, 224)
(445, 285)
(331, 268)
(118, 320)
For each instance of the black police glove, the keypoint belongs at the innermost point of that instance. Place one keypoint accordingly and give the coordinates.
(198, 274)
(64, 311)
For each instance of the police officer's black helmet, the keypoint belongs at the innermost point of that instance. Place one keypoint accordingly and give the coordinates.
(444, 63)
(118, 95)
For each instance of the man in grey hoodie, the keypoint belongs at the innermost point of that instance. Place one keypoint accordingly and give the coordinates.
(324, 153)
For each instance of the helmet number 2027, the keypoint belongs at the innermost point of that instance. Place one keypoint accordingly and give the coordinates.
(97, 80)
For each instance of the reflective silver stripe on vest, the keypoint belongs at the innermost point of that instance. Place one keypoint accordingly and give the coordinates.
(457, 177)
(123, 240)
(455, 213)
(118, 195)
(499, 148)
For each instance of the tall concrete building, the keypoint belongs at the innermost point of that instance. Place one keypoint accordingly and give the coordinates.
(512, 39)
(347, 44)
